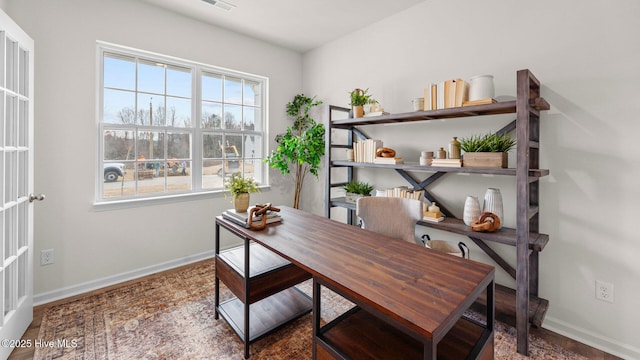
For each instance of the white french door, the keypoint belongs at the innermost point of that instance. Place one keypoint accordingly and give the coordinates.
(16, 182)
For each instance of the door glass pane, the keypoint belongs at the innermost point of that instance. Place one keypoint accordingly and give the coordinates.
(23, 123)
(23, 169)
(9, 287)
(23, 72)
(11, 66)
(10, 232)
(22, 275)
(10, 120)
(23, 224)
(10, 176)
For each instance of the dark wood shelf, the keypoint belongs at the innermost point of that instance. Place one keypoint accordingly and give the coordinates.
(535, 173)
(508, 107)
(360, 335)
(269, 272)
(267, 314)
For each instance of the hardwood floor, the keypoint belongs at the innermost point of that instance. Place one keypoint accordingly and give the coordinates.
(38, 312)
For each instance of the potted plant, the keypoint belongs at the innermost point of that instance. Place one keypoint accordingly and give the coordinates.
(301, 147)
(360, 98)
(357, 189)
(488, 150)
(240, 187)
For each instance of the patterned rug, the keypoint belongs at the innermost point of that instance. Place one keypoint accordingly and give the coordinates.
(172, 317)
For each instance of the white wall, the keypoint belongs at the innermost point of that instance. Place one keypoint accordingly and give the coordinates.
(586, 55)
(91, 247)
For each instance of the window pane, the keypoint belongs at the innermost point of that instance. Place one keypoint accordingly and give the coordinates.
(250, 115)
(252, 146)
(252, 94)
(232, 90)
(118, 145)
(211, 87)
(211, 146)
(179, 145)
(179, 81)
(119, 72)
(151, 77)
(150, 110)
(233, 148)
(232, 117)
(119, 107)
(150, 146)
(179, 177)
(178, 112)
(211, 115)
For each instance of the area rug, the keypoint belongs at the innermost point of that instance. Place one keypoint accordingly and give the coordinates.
(172, 317)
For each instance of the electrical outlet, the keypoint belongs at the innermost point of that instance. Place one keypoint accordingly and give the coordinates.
(604, 291)
(46, 257)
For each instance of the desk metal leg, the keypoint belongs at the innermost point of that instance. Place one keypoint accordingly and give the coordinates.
(247, 275)
(217, 288)
(316, 317)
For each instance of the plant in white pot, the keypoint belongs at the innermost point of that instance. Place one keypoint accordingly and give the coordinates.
(357, 189)
(240, 188)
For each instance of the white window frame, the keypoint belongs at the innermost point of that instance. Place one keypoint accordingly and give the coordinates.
(197, 71)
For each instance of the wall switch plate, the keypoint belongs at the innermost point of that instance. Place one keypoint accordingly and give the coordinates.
(46, 257)
(604, 291)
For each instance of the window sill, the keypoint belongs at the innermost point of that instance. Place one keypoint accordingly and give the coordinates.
(159, 200)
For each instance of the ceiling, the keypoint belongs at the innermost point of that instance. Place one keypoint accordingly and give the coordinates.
(299, 25)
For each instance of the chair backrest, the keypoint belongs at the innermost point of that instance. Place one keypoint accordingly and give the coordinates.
(395, 217)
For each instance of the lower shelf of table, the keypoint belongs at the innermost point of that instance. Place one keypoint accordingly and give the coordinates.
(267, 314)
(360, 335)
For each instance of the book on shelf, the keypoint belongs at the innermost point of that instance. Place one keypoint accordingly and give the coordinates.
(401, 192)
(461, 93)
(447, 162)
(440, 95)
(430, 97)
(479, 102)
(384, 160)
(376, 113)
(365, 150)
(449, 93)
(241, 218)
(431, 219)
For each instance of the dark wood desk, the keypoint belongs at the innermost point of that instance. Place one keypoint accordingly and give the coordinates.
(406, 296)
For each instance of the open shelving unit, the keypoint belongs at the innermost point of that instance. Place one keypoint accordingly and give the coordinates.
(525, 237)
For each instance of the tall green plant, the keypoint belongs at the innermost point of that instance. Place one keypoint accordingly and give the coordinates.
(301, 147)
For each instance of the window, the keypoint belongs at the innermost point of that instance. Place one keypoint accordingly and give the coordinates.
(170, 127)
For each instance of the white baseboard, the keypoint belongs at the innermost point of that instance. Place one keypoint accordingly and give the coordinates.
(611, 346)
(58, 294)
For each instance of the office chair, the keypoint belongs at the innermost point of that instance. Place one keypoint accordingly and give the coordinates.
(395, 217)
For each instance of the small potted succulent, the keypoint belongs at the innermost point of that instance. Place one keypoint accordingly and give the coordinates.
(240, 187)
(357, 189)
(360, 98)
(488, 150)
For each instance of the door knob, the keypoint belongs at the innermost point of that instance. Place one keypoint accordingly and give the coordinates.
(34, 197)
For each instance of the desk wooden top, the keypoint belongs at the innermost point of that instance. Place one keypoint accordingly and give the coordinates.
(421, 289)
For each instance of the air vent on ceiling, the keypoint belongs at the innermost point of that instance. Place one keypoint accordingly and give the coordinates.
(221, 4)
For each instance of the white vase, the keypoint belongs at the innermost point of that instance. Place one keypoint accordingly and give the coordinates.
(471, 210)
(481, 87)
(493, 204)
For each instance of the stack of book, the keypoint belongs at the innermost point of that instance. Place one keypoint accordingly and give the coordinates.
(447, 162)
(365, 150)
(401, 192)
(242, 218)
(388, 160)
(446, 94)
